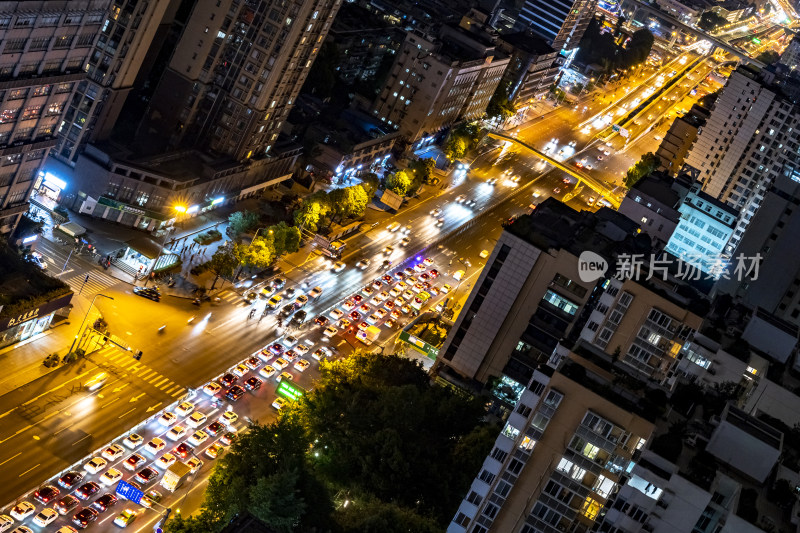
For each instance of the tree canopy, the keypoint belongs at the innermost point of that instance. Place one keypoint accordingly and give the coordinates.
(500, 106)
(242, 221)
(222, 263)
(399, 182)
(647, 164)
(598, 45)
(376, 433)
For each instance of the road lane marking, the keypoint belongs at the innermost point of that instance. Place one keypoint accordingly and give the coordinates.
(109, 403)
(10, 458)
(28, 470)
(82, 438)
(127, 412)
(46, 393)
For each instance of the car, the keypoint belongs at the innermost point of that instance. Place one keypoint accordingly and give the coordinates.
(133, 441)
(300, 301)
(439, 223)
(396, 291)
(355, 316)
(104, 502)
(424, 277)
(213, 451)
(285, 376)
(363, 264)
(589, 167)
(344, 323)
(87, 490)
(493, 181)
(46, 494)
(338, 266)
(388, 250)
(289, 341)
(364, 308)
(151, 498)
(135, 460)
(45, 517)
(287, 310)
(194, 464)
(267, 371)
(377, 284)
(228, 380)
(280, 363)
(228, 418)
(274, 302)
(460, 198)
(167, 419)
(184, 409)
(290, 292)
(265, 292)
(396, 313)
(212, 388)
(234, 393)
(405, 309)
(399, 275)
(252, 363)
(387, 279)
(176, 433)
(22, 510)
(390, 323)
(336, 314)
(84, 517)
(304, 347)
(279, 403)
(290, 355)
(348, 305)
(299, 318)
(113, 452)
(418, 287)
(363, 326)
(37, 259)
(165, 461)
(253, 383)
(183, 450)
(322, 320)
(408, 295)
(433, 290)
(240, 370)
(154, 446)
(146, 475)
(198, 438)
(406, 241)
(301, 365)
(69, 479)
(381, 313)
(406, 230)
(125, 518)
(66, 504)
(436, 213)
(386, 264)
(228, 438)
(367, 291)
(315, 293)
(389, 304)
(196, 420)
(446, 288)
(276, 348)
(110, 476)
(591, 200)
(373, 318)
(151, 293)
(329, 332)
(95, 465)
(321, 353)
(557, 190)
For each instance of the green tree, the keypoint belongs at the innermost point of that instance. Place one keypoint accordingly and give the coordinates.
(647, 164)
(423, 169)
(258, 254)
(374, 516)
(222, 263)
(277, 500)
(399, 182)
(768, 57)
(370, 183)
(500, 106)
(242, 221)
(455, 147)
(638, 47)
(710, 21)
(202, 522)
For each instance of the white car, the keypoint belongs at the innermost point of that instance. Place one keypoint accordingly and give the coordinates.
(133, 441)
(301, 365)
(176, 433)
(212, 388)
(22, 510)
(373, 318)
(45, 517)
(240, 370)
(363, 264)
(198, 437)
(196, 420)
(155, 446)
(113, 452)
(302, 349)
(446, 288)
(167, 419)
(336, 314)
(95, 465)
(267, 371)
(330, 331)
(321, 353)
(194, 464)
(289, 342)
(110, 476)
(229, 418)
(165, 461)
(280, 363)
(315, 293)
(338, 266)
(5, 522)
(184, 409)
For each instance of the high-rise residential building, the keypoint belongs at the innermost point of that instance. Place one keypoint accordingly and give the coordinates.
(560, 22)
(772, 235)
(530, 61)
(436, 82)
(790, 57)
(530, 295)
(679, 139)
(46, 46)
(561, 457)
(704, 230)
(750, 138)
(128, 29)
(235, 74)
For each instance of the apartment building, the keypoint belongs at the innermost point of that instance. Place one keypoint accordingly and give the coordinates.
(749, 139)
(45, 47)
(530, 295)
(561, 457)
(653, 201)
(235, 74)
(436, 82)
(530, 60)
(679, 139)
(560, 22)
(129, 28)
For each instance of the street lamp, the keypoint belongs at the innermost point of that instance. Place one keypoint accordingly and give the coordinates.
(258, 230)
(77, 335)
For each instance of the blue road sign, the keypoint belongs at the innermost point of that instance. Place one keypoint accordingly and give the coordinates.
(129, 492)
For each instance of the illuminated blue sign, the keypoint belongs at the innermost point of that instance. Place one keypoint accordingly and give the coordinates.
(129, 492)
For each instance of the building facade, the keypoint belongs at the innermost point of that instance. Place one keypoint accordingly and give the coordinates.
(679, 139)
(42, 61)
(530, 60)
(654, 202)
(560, 22)
(235, 74)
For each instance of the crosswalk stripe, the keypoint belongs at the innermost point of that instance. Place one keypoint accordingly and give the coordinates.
(135, 367)
(147, 374)
(177, 393)
(165, 385)
(160, 382)
(115, 357)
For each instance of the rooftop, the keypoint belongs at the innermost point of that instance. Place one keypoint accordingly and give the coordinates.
(528, 42)
(23, 285)
(658, 186)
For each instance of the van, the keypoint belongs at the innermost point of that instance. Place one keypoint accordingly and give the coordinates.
(394, 226)
(274, 302)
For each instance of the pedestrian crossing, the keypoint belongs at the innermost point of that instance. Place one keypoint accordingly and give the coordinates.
(231, 296)
(96, 282)
(123, 361)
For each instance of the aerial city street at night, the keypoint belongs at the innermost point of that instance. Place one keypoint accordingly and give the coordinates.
(508, 267)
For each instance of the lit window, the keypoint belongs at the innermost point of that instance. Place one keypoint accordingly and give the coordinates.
(590, 509)
(510, 431)
(527, 443)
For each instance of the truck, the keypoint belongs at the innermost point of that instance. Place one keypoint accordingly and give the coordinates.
(175, 475)
(368, 336)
